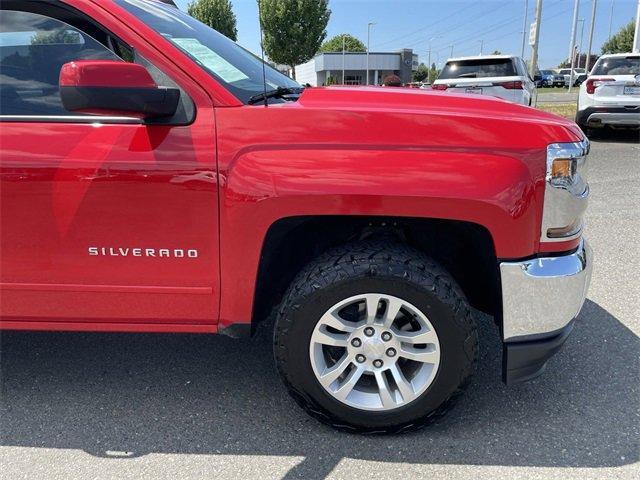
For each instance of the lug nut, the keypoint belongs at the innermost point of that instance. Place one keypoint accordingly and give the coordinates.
(378, 363)
(386, 336)
(356, 342)
(360, 358)
(369, 331)
(391, 352)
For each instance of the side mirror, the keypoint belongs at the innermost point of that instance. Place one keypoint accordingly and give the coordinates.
(115, 88)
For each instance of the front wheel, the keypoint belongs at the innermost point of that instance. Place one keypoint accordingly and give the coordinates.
(375, 338)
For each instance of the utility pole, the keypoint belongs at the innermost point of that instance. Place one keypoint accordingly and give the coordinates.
(524, 26)
(534, 53)
(369, 25)
(636, 37)
(343, 52)
(481, 45)
(431, 40)
(572, 43)
(611, 18)
(451, 54)
(593, 22)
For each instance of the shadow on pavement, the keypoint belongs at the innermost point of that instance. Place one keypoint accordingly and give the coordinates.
(617, 136)
(193, 394)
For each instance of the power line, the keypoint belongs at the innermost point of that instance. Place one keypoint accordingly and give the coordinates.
(503, 23)
(485, 29)
(422, 29)
(489, 28)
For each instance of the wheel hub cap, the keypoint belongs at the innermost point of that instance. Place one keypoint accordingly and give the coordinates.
(374, 352)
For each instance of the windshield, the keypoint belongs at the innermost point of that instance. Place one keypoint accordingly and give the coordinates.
(492, 67)
(547, 72)
(233, 66)
(617, 66)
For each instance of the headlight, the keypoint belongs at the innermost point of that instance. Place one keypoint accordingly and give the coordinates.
(566, 191)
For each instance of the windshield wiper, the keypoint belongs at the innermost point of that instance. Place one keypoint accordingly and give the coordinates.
(468, 75)
(277, 93)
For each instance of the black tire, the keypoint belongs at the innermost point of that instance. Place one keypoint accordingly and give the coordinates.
(588, 131)
(389, 268)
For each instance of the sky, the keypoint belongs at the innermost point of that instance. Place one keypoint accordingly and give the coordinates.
(418, 24)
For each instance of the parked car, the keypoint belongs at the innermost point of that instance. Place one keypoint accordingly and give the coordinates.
(579, 79)
(537, 79)
(547, 78)
(150, 183)
(558, 78)
(563, 77)
(503, 76)
(611, 94)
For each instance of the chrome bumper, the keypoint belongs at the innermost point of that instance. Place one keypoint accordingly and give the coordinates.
(541, 296)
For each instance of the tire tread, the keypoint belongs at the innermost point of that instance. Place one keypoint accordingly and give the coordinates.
(373, 258)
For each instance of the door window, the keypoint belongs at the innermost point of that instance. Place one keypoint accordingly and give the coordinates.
(33, 49)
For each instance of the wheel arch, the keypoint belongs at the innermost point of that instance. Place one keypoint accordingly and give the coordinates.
(466, 250)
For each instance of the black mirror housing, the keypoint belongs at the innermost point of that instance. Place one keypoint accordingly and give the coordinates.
(148, 103)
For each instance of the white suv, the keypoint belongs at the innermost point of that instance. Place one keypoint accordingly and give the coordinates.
(611, 93)
(503, 76)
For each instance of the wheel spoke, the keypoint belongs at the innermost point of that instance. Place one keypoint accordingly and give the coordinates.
(346, 387)
(405, 387)
(333, 320)
(386, 395)
(332, 373)
(422, 336)
(419, 354)
(393, 308)
(372, 302)
(321, 335)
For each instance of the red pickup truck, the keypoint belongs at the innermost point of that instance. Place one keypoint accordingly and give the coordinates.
(156, 177)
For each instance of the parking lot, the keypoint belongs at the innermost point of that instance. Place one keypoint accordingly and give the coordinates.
(78, 406)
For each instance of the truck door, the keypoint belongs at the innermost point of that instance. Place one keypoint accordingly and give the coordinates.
(104, 219)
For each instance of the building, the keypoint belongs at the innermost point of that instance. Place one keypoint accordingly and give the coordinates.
(351, 68)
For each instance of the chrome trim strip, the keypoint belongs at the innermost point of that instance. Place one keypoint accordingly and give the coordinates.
(70, 119)
(542, 295)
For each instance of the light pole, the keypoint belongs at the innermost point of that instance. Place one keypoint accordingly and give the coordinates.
(572, 43)
(481, 45)
(451, 54)
(581, 37)
(524, 26)
(635, 48)
(593, 22)
(369, 25)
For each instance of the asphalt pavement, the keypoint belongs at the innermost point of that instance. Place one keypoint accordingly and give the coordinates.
(106, 406)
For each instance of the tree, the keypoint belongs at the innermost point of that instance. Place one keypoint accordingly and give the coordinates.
(421, 74)
(392, 80)
(56, 36)
(351, 44)
(218, 14)
(496, 52)
(621, 42)
(580, 60)
(293, 30)
(433, 73)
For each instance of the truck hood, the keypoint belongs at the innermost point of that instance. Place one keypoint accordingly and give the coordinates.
(427, 102)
